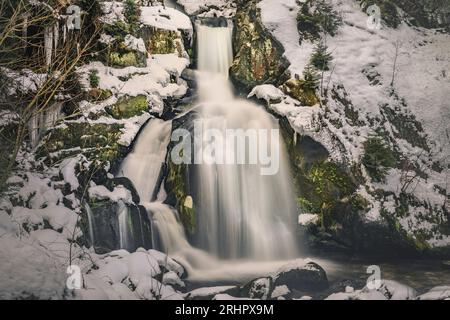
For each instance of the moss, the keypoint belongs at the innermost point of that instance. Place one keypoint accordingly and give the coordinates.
(296, 89)
(96, 141)
(128, 107)
(160, 41)
(259, 57)
(99, 94)
(122, 60)
(176, 183)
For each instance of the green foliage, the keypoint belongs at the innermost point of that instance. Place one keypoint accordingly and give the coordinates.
(132, 13)
(317, 17)
(378, 158)
(321, 58)
(94, 79)
(310, 78)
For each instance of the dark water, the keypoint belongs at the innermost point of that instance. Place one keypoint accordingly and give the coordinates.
(421, 275)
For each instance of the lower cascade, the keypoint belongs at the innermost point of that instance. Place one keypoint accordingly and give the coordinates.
(240, 212)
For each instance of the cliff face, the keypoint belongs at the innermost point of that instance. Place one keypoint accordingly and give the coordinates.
(258, 56)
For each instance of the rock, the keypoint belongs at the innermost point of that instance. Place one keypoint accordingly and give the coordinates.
(210, 293)
(296, 90)
(189, 76)
(106, 226)
(123, 181)
(97, 94)
(259, 57)
(128, 107)
(301, 277)
(159, 41)
(258, 289)
(437, 293)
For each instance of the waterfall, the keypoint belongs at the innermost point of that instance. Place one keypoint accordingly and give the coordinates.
(124, 228)
(143, 167)
(215, 50)
(241, 213)
(90, 224)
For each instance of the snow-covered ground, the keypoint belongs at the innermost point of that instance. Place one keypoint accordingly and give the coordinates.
(421, 87)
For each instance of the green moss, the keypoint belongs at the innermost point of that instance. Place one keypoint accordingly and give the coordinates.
(298, 90)
(175, 182)
(259, 57)
(127, 59)
(128, 107)
(96, 141)
(160, 41)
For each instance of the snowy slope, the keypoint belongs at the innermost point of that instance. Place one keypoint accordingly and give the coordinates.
(421, 96)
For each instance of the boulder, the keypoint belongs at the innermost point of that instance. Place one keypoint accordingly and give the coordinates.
(297, 275)
(260, 288)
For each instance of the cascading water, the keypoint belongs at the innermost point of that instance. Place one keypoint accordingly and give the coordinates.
(143, 167)
(241, 213)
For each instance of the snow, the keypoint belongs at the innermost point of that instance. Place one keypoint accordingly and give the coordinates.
(266, 92)
(134, 43)
(306, 219)
(437, 293)
(206, 292)
(172, 279)
(193, 7)
(67, 169)
(389, 290)
(120, 193)
(59, 217)
(165, 18)
(28, 271)
(280, 18)
(112, 12)
(280, 291)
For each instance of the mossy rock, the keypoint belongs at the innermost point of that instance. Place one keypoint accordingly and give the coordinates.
(96, 141)
(259, 58)
(127, 59)
(295, 88)
(159, 41)
(97, 94)
(128, 107)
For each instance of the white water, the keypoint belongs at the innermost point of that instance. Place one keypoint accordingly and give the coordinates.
(241, 213)
(215, 49)
(91, 223)
(124, 228)
(143, 165)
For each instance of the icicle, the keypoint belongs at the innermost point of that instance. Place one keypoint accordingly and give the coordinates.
(56, 35)
(64, 32)
(48, 45)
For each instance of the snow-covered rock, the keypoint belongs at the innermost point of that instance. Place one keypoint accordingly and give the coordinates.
(437, 293)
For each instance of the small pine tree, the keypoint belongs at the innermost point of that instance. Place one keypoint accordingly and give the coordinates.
(310, 78)
(378, 158)
(94, 79)
(132, 12)
(321, 58)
